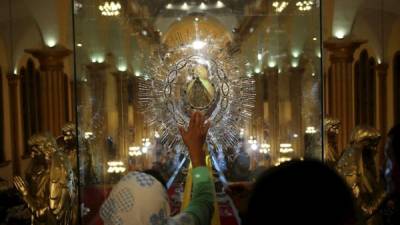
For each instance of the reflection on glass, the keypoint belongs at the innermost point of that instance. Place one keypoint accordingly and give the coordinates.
(143, 67)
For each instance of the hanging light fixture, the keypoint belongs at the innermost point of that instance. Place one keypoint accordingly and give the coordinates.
(304, 5)
(280, 6)
(110, 8)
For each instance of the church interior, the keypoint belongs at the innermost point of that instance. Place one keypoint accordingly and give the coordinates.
(92, 90)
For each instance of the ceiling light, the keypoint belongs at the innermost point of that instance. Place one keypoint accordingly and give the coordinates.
(304, 5)
(279, 6)
(203, 6)
(219, 5)
(259, 56)
(314, 38)
(169, 6)
(185, 6)
(196, 19)
(340, 34)
(79, 45)
(110, 8)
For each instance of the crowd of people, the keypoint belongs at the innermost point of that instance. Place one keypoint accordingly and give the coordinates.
(295, 192)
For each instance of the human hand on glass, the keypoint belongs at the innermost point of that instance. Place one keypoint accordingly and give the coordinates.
(194, 138)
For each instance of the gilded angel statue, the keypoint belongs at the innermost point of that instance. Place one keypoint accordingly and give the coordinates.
(358, 167)
(48, 189)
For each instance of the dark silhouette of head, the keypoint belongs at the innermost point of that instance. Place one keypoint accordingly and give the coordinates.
(301, 192)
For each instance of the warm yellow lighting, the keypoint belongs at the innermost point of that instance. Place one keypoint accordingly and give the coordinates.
(134, 151)
(285, 148)
(138, 73)
(265, 148)
(314, 38)
(203, 6)
(257, 70)
(198, 44)
(79, 45)
(51, 42)
(311, 130)
(259, 56)
(304, 5)
(295, 53)
(169, 6)
(15, 71)
(271, 64)
(88, 135)
(110, 8)
(340, 34)
(295, 64)
(122, 68)
(185, 6)
(156, 135)
(220, 5)
(116, 167)
(284, 159)
(280, 6)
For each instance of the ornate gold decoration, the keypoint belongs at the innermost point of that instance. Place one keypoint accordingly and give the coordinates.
(357, 165)
(331, 153)
(49, 189)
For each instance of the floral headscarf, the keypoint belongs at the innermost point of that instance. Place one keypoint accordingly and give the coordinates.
(137, 199)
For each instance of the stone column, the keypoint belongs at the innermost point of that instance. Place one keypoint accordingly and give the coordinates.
(258, 117)
(96, 83)
(122, 81)
(138, 117)
(381, 72)
(341, 85)
(53, 93)
(296, 99)
(273, 111)
(14, 82)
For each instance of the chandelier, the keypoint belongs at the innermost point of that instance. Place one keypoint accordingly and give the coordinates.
(280, 6)
(110, 8)
(304, 5)
(116, 167)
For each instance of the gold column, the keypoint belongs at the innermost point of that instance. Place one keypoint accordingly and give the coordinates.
(122, 79)
(53, 93)
(296, 100)
(14, 82)
(96, 81)
(258, 118)
(273, 111)
(381, 71)
(341, 88)
(138, 117)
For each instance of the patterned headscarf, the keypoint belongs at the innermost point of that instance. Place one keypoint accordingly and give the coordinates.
(137, 199)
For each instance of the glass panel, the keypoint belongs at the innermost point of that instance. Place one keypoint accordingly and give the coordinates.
(142, 67)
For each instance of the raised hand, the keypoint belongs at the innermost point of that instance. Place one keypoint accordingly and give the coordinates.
(20, 185)
(194, 138)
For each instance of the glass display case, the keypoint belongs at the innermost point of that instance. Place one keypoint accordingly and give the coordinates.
(253, 68)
